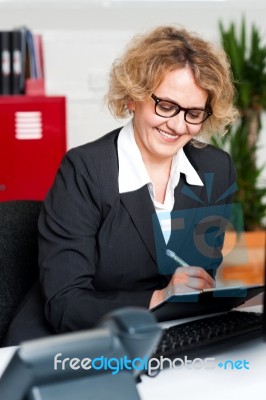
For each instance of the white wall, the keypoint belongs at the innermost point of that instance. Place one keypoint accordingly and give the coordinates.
(82, 37)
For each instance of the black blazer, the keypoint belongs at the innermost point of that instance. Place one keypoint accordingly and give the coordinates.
(97, 248)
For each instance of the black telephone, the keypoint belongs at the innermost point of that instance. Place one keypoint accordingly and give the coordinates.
(81, 365)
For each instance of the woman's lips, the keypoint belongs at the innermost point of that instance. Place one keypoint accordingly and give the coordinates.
(168, 135)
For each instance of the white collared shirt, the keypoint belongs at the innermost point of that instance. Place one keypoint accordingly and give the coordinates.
(133, 175)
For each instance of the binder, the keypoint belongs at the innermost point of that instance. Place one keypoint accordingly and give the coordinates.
(31, 63)
(34, 63)
(206, 301)
(5, 61)
(38, 44)
(35, 86)
(18, 61)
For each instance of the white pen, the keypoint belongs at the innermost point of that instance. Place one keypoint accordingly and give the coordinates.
(179, 260)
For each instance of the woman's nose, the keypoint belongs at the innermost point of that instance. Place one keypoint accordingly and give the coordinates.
(178, 123)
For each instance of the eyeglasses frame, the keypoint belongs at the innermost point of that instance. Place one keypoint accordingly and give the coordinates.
(157, 100)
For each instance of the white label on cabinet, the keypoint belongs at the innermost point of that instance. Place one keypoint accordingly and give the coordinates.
(28, 125)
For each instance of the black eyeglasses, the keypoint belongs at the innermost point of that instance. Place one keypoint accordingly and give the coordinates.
(168, 109)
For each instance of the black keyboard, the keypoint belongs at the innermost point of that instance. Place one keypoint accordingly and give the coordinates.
(205, 334)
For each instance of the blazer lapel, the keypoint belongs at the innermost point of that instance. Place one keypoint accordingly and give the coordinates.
(188, 196)
(141, 210)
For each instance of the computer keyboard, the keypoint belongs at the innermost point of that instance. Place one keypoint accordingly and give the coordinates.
(202, 335)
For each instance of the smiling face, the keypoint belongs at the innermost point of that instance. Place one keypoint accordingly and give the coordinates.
(160, 138)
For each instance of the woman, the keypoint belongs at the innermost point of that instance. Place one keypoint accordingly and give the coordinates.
(110, 215)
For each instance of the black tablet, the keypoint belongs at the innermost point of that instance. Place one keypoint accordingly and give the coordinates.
(207, 301)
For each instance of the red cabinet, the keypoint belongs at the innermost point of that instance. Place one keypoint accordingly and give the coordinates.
(32, 144)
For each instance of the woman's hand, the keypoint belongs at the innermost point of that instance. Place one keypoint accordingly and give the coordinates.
(184, 280)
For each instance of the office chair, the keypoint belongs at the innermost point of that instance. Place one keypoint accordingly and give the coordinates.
(18, 255)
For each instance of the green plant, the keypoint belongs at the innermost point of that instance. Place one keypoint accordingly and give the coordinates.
(248, 63)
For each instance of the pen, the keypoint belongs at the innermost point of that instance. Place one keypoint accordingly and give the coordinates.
(179, 260)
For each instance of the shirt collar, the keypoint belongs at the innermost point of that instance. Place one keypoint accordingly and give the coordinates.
(132, 171)
(182, 164)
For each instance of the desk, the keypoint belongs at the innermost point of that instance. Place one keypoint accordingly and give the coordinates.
(203, 384)
(5, 355)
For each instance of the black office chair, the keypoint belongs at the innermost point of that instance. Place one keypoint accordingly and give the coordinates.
(18, 255)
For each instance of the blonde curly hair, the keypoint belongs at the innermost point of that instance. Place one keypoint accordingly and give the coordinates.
(141, 69)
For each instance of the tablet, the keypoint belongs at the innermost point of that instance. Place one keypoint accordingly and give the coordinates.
(207, 301)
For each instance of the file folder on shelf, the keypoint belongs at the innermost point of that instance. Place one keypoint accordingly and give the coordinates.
(5, 63)
(18, 61)
(32, 144)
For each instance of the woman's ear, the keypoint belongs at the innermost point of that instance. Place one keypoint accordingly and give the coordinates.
(131, 106)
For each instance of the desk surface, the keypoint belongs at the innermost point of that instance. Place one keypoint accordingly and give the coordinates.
(214, 384)
(203, 384)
